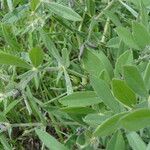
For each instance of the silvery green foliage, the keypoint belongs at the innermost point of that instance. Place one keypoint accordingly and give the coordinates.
(74, 74)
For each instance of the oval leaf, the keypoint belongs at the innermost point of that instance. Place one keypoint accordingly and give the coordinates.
(8, 59)
(134, 80)
(123, 93)
(116, 142)
(96, 119)
(36, 56)
(34, 4)
(49, 141)
(92, 63)
(95, 63)
(135, 141)
(103, 91)
(80, 99)
(126, 37)
(106, 63)
(15, 15)
(136, 120)
(141, 35)
(124, 59)
(78, 110)
(63, 11)
(109, 126)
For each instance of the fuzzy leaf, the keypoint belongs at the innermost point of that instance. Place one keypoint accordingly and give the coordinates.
(104, 93)
(80, 99)
(36, 55)
(63, 11)
(136, 120)
(127, 37)
(8, 59)
(109, 126)
(134, 80)
(49, 141)
(123, 93)
(141, 35)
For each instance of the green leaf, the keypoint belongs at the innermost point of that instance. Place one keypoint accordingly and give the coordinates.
(144, 15)
(65, 56)
(116, 142)
(15, 15)
(90, 7)
(141, 35)
(50, 45)
(35, 108)
(81, 140)
(108, 66)
(49, 141)
(78, 110)
(136, 120)
(3, 118)
(92, 63)
(134, 80)
(11, 106)
(5, 143)
(137, 2)
(148, 146)
(131, 10)
(125, 59)
(113, 42)
(123, 93)
(8, 59)
(63, 11)
(104, 93)
(96, 119)
(68, 82)
(95, 63)
(127, 37)
(10, 38)
(113, 17)
(10, 4)
(135, 141)
(36, 55)
(109, 126)
(68, 25)
(34, 4)
(80, 99)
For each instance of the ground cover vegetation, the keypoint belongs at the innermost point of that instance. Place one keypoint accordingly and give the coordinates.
(74, 74)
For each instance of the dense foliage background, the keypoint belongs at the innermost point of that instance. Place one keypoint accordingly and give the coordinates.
(74, 74)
